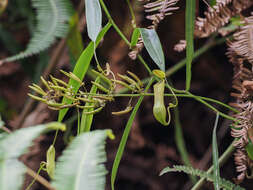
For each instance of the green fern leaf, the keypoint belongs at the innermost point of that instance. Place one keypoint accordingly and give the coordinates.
(192, 171)
(81, 165)
(52, 22)
(11, 172)
(14, 145)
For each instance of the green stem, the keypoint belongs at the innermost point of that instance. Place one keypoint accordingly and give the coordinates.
(113, 23)
(224, 157)
(132, 13)
(145, 65)
(179, 138)
(211, 107)
(182, 63)
(170, 95)
(35, 178)
(123, 37)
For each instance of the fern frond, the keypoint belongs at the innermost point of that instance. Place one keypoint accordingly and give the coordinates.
(158, 9)
(219, 15)
(242, 44)
(11, 172)
(52, 22)
(81, 165)
(180, 46)
(192, 171)
(13, 146)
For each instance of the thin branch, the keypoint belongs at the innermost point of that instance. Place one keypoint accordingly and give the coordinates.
(39, 178)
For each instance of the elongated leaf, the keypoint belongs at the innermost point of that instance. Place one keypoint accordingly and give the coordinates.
(81, 68)
(153, 45)
(86, 120)
(93, 17)
(189, 36)
(81, 165)
(125, 137)
(52, 22)
(135, 37)
(14, 145)
(216, 171)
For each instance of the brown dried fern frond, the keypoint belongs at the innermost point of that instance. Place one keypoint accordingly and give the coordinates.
(242, 44)
(243, 84)
(159, 9)
(219, 15)
(240, 54)
(180, 46)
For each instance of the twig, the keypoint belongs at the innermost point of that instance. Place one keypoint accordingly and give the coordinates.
(39, 178)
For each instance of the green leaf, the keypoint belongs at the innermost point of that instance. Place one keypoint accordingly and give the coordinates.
(11, 172)
(216, 171)
(249, 149)
(52, 22)
(81, 68)
(189, 36)
(212, 2)
(82, 164)
(14, 145)
(153, 45)
(135, 37)
(86, 120)
(125, 137)
(9, 148)
(189, 170)
(93, 18)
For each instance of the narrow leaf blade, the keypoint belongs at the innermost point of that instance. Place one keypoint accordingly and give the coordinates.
(189, 32)
(153, 45)
(216, 171)
(125, 137)
(94, 18)
(81, 68)
(86, 120)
